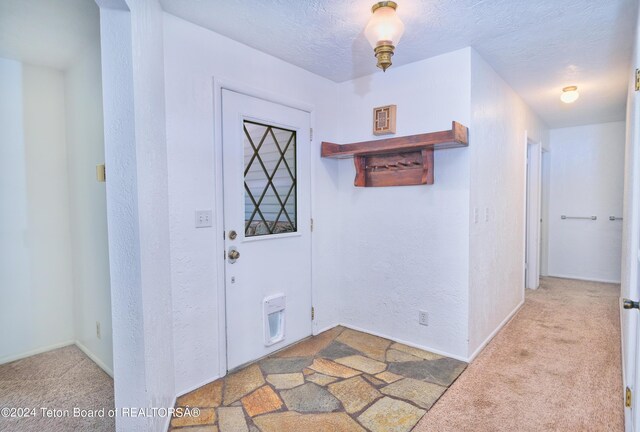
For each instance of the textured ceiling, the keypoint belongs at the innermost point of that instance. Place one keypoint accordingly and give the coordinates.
(47, 32)
(538, 46)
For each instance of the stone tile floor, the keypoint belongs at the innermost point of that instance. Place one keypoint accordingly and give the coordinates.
(341, 380)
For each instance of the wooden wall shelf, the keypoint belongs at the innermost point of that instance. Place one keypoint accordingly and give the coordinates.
(399, 161)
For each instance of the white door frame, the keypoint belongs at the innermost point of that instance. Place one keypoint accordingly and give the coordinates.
(533, 177)
(545, 189)
(218, 199)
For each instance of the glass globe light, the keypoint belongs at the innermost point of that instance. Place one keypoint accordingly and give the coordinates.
(384, 31)
(569, 94)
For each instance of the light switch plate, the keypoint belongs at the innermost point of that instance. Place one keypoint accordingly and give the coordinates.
(203, 218)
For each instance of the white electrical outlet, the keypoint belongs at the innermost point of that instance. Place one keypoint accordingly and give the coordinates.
(423, 318)
(203, 218)
(98, 333)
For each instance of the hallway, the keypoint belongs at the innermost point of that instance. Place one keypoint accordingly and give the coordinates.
(555, 366)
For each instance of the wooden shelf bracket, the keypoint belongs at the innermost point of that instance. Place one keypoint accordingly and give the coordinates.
(399, 161)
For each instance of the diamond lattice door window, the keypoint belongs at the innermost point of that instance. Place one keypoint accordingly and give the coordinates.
(269, 179)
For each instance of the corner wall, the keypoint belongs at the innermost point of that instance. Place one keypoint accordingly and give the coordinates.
(88, 207)
(497, 154)
(380, 254)
(54, 218)
(36, 285)
(405, 249)
(57, 269)
(419, 248)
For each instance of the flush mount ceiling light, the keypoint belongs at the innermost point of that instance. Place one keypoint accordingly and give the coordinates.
(384, 32)
(569, 94)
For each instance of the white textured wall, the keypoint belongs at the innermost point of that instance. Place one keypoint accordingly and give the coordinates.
(405, 249)
(14, 262)
(497, 154)
(153, 202)
(36, 311)
(587, 176)
(122, 215)
(137, 208)
(88, 205)
(195, 255)
(380, 254)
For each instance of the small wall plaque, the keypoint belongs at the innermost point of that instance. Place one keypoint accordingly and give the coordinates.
(384, 120)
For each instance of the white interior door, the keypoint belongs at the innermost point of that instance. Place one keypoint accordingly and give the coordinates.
(630, 326)
(632, 368)
(631, 263)
(266, 162)
(630, 321)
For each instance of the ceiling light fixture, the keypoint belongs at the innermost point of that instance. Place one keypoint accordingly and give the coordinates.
(569, 94)
(384, 31)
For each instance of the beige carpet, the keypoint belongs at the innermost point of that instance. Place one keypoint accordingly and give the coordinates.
(554, 367)
(60, 379)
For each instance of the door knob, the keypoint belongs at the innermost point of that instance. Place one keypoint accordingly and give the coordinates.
(233, 255)
(630, 304)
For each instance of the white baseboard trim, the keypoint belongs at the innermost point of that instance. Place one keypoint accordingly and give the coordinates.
(584, 279)
(411, 344)
(495, 332)
(12, 358)
(94, 358)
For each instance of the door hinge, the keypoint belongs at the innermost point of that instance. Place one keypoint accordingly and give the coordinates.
(627, 398)
(310, 134)
(313, 313)
(224, 255)
(311, 224)
(101, 173)
(224, 235)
